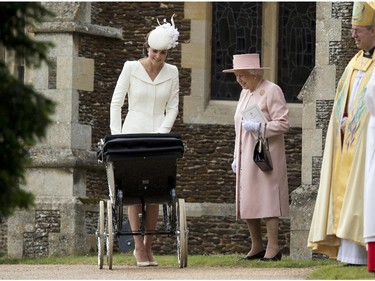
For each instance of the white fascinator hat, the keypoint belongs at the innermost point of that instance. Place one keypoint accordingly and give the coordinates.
(164, 36)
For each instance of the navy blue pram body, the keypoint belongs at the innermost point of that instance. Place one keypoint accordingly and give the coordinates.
(144, 165)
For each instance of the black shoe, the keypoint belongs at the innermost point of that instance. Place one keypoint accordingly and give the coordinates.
(277, 257)
(353, 264)
(254, 257)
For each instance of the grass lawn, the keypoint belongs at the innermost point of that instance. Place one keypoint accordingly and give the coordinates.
(324, 269)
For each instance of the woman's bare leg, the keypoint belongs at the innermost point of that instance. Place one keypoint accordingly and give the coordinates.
(135, 223)
(152, 211)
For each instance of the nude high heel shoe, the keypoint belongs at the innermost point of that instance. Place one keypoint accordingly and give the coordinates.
(141, 263)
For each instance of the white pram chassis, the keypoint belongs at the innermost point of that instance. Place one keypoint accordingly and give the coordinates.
(141, 169)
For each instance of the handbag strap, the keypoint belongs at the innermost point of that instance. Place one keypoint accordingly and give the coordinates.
(259, 134)
(265, 129)
(265, 140)
(259, 141)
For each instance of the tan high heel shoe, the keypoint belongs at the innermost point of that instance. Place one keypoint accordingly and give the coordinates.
(141, 263)
(153, 262)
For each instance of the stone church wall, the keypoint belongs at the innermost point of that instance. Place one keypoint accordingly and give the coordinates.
(204, 174)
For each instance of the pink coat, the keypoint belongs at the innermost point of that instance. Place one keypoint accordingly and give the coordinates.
(262, 194)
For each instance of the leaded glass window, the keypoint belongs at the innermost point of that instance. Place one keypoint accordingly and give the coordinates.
(296, 46)
(237, 29)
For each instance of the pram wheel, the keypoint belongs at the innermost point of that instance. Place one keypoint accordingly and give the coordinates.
(109, 241)
(182, 233)
(100, 235)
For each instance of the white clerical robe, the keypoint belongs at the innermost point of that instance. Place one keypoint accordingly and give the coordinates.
(369, 192)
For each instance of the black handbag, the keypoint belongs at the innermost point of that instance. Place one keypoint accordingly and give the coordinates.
(262, 155)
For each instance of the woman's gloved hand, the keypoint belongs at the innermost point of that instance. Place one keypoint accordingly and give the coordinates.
(250, 126)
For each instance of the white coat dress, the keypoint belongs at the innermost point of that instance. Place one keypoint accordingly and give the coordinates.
(152, 105)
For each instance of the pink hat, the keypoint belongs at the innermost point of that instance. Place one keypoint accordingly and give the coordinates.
(245, 61)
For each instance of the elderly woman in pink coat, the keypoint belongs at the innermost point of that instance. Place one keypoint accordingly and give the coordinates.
(152, 88)
(260, 195)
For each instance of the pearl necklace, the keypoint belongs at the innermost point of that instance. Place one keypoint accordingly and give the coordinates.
(260, 81)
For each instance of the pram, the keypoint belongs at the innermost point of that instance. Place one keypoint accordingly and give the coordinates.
(141, 169)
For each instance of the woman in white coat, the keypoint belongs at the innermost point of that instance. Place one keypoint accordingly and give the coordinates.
(152, 88)
(369, 190)
(260, 195)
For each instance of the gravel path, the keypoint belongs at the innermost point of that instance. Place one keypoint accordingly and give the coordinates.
(85, 272)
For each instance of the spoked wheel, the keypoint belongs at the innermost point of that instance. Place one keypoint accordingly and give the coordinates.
(181, 234)
(186, 232)
(100, 235)
(109, 241)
